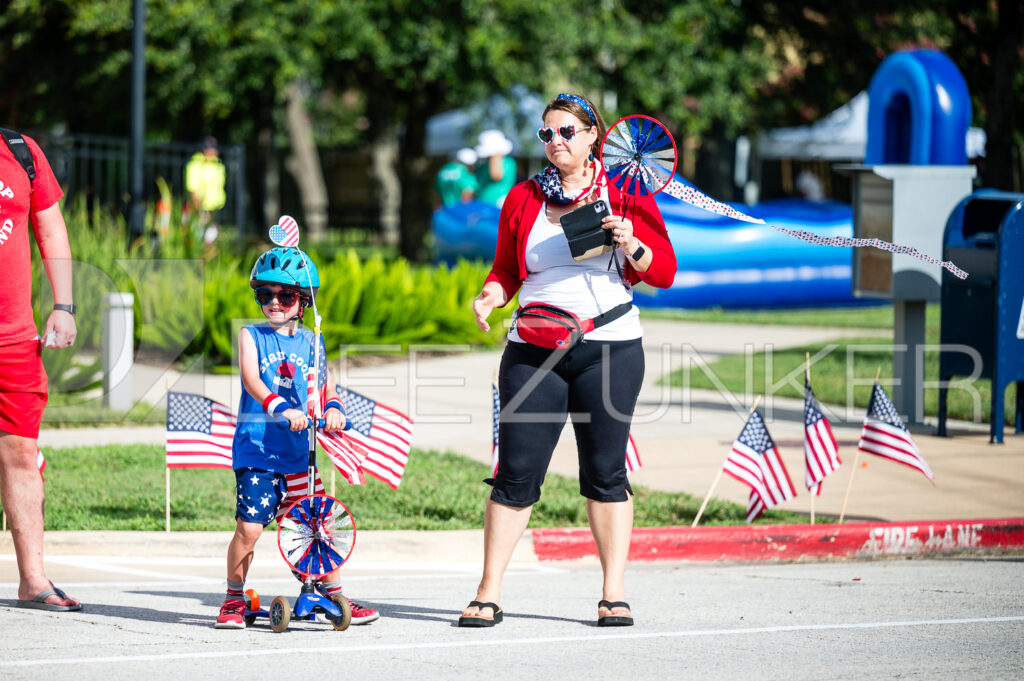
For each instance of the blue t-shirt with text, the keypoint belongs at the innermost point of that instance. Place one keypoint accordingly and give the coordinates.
(284, 366)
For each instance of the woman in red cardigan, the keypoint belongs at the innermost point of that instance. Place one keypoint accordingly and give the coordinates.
(596, 381)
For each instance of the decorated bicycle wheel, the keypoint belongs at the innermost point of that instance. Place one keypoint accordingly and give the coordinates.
(639, 155)
(316, 535)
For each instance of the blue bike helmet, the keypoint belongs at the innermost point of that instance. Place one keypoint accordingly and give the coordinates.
(286, 267)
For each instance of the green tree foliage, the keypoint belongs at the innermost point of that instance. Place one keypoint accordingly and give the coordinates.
(709, 68)
(829, 49)
(413, 60)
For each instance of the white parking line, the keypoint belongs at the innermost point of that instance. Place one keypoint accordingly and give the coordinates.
(437, 645)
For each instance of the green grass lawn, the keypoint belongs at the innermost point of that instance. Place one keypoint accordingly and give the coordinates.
(121, 487)
(844, 372)
(868, 317)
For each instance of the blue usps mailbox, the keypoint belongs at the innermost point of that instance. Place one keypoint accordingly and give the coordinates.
(984, 314)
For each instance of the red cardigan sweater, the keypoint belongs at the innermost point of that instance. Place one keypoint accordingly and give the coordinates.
(520, 211)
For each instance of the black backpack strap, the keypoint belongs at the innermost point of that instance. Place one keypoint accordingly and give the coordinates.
(21, 152)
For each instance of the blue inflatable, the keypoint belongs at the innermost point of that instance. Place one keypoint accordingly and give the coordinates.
(721, 262)
(919, 111)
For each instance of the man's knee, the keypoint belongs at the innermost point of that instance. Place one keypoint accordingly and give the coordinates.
(17, 453)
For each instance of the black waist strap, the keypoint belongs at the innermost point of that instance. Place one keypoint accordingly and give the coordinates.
(611, 315)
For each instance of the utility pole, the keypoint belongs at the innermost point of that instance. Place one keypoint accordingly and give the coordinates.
(136, 208)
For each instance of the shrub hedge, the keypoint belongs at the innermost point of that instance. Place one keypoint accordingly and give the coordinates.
(190, 296)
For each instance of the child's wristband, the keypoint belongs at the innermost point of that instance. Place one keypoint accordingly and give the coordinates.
(336, 403)
(275, 404)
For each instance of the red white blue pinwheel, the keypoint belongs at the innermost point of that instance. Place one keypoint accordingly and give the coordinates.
(639, 155)
(316, 535)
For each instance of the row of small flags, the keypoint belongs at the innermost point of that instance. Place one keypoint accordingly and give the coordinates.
(755, 461)
(200, 432)
(633, 462)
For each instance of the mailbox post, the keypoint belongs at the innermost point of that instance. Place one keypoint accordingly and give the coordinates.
(915, 172)
(907, 205)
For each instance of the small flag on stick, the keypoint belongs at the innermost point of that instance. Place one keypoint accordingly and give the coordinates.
(821, 452)
(199, 432)
(885, 435)
(755, 461)
(385, 434)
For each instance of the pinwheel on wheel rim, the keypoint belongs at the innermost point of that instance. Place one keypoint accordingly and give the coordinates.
(316, 535)
(639, 155)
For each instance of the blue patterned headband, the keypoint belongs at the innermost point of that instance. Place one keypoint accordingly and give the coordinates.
(576, 99)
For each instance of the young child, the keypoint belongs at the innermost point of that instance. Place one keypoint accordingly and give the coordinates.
(274, 358)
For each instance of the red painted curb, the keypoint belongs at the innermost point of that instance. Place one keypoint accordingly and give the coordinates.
(795, 542)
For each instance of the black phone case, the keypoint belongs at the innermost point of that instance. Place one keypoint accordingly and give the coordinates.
(583, 230)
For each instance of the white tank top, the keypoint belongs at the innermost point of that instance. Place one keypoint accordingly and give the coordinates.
(586, 288)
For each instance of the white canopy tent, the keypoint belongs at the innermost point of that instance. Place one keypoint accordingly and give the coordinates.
(516, 114)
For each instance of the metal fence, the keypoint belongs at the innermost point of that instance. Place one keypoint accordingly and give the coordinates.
(96, 167)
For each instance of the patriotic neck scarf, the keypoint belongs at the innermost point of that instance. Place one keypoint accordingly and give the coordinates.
(550, 182)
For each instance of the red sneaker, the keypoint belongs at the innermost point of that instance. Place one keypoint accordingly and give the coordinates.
(361, 615)
(231, 615)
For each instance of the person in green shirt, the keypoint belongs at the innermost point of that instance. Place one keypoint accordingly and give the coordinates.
(455, 181)
(498, 175)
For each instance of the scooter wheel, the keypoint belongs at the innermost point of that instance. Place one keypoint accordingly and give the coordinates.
(252, 605)
(254, 599)
(341, 623)
(280, 614)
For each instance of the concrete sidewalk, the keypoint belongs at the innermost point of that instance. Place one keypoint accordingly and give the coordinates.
(683, 435)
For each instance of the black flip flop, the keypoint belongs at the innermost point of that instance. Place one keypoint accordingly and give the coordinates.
(614, 620)
(480, 620)
(39, 602)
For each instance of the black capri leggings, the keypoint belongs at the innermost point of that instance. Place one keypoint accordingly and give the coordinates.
(596, 383)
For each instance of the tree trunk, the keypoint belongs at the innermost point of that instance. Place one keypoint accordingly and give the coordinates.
(384, 156)
(1001, 102)
(304, 164)
(414, 171)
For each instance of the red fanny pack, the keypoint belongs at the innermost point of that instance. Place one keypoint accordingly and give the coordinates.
(552, 327)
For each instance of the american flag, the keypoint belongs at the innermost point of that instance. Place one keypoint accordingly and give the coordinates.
(346, 455)
(632, 455)
(821, 452)
(633, 462)
(885, 435)
(755, 461)
(285, 232)
(298, 487)
(199, 432)
(385, 434)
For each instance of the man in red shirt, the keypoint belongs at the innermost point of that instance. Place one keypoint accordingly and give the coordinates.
(23, 384)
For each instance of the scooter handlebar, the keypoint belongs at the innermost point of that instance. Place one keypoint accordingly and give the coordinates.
(320, 423)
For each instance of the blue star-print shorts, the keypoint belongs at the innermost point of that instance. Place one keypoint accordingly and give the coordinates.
(258, 493)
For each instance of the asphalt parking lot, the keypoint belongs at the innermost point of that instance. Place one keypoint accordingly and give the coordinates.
(151, 617)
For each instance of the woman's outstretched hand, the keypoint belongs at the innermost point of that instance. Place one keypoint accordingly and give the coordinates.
(491, 296)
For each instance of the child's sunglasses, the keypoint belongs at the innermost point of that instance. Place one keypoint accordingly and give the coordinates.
(566, 132)
(285, 296)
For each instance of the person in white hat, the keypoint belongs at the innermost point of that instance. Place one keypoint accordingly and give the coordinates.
(498, 175)
(455, 181)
